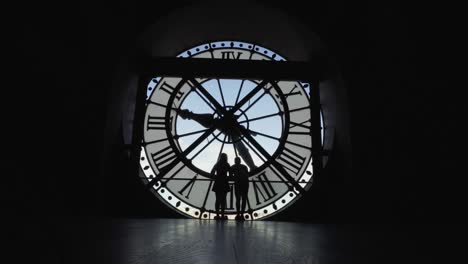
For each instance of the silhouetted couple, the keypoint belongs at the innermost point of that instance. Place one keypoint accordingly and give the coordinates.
(240, 174)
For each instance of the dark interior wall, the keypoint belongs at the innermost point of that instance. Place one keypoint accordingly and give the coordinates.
(66, 58)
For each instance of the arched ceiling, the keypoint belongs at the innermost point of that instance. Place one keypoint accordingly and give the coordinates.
(209, 21)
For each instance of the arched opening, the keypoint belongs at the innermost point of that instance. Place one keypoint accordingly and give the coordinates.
(184, 30)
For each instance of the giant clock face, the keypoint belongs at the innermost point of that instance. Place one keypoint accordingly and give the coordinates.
(189, 122)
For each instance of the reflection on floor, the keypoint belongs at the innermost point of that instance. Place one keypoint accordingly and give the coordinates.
(192, 241)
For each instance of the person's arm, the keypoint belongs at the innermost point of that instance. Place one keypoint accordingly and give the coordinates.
(246, 172)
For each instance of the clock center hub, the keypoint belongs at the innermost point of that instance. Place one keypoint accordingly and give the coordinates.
(229, 124)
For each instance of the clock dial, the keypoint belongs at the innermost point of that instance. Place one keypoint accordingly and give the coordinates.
(189, 122)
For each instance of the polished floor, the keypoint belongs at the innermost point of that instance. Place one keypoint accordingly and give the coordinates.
(145, 241)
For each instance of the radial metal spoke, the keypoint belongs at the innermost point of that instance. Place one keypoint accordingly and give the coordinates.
(219, 109)
(198, 141)
(221, 92)
(260, 117)
(249, 96)
(240, 89)
(206, 101)
(204, 147)
(254, 150)
(262, 134)
(266, 91)
(191, 133)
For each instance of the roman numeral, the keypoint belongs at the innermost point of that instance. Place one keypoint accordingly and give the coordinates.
(156, 103)
(163, 157)
(294, 124)
(207, 194)
(170, 89)
(230, 55)
(263, 187)
(301, 125)
(291, 160)
(292, 92)
(230, 199)
(155, 122)
(299, 109)
(189, 186)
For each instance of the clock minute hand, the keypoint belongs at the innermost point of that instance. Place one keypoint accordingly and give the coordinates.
(277, 166)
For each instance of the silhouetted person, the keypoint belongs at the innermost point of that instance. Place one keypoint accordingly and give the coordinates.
(227, 125)
(221, 186)
(240, 175)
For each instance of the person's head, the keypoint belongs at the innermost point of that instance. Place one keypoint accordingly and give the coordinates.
(223, 158)
(237, 160)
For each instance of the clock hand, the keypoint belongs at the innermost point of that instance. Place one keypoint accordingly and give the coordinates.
(222, 145)
(275, 164)
(205, 120)
(244, 153)
(219, 109)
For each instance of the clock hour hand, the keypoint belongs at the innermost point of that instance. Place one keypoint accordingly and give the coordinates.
(205, 120)
(244, 153)
(275, 164)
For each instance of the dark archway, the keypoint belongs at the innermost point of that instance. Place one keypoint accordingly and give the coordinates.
(198, 23)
